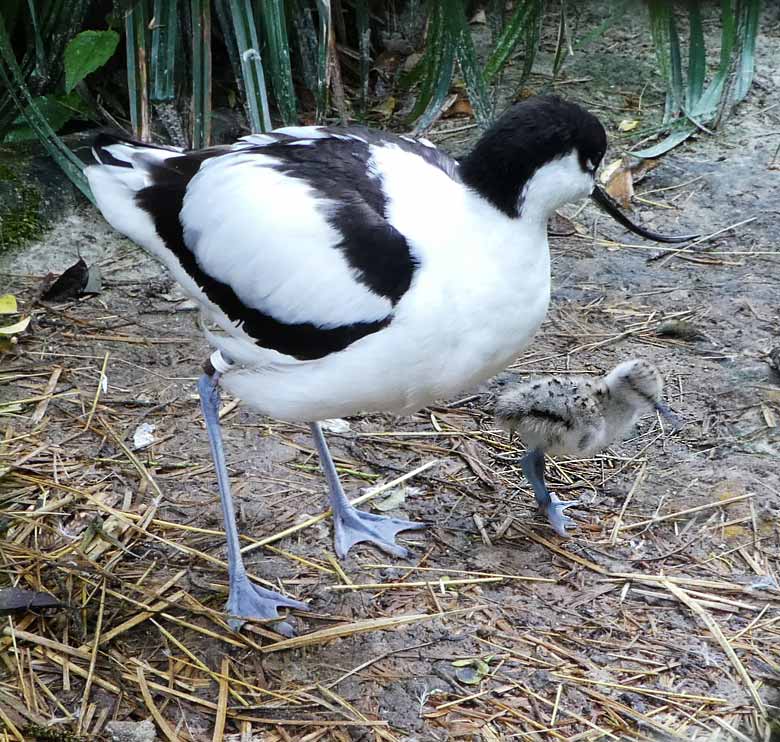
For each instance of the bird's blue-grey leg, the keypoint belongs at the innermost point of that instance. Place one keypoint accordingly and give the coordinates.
(533, 468)
(350, 525)
(246, 599)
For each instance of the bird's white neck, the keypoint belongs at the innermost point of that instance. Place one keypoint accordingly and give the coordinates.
(554, 184)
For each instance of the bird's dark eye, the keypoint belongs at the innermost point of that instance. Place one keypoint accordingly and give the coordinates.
(590, 162)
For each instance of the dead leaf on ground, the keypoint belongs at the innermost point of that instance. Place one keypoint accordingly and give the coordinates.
(561, 226)
(16, 327)
(385, 108)
(15, 600)
(396, 497)
(8, 333)
(680, 329)
(471, 671)
(471, 454)
(76, 281)
(461, 107)
(640, 168)
(336, 425)
(621, 185)
(620, 176)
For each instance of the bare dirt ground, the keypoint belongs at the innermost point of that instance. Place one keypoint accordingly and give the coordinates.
(659, 618)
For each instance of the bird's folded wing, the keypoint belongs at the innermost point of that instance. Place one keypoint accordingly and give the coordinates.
(287, 236)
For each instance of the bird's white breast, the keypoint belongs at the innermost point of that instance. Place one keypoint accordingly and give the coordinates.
(480, 293)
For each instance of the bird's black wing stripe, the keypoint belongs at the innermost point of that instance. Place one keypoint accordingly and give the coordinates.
(304, 341)
(549, 416)
(377, 251)
(338, 171)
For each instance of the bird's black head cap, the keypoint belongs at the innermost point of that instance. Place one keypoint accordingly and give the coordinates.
(526, 137)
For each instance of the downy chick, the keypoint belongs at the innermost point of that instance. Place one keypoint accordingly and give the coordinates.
(576, 416)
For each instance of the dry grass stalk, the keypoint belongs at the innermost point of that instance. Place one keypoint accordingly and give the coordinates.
(442, 584)
(417, 568)
(338, 632)
(161, 721)
(224, 685)
(716, 632)
(687, 511)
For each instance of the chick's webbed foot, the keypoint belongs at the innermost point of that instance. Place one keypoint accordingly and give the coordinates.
(533, 468)
(558, 519)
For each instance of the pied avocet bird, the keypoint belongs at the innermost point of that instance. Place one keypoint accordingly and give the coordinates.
(352, 270)
(576, 416)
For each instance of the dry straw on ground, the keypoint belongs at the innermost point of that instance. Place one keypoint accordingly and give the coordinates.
(598, 644)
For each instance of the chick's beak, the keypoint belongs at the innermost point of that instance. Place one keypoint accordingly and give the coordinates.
(605, 201)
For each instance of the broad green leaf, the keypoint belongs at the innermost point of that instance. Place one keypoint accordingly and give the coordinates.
(707, 105)
(245, 30)
(560, 42)
(675, 59)
(137, 73)
(325, 23)
(675, 138)
(162, 64)
(526, 16)
(12, 78)
(667, 52)
(40, 55)
(436, 67)
(87, 52)
(8, 304)
(57, 110)
(200, 12)
(747, 34)
(697, 54)
(728, 34)
(467, 57)
(531, 37)
(363, 29)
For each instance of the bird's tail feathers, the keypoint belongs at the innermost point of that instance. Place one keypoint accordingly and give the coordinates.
(130, 164)
(118, 150)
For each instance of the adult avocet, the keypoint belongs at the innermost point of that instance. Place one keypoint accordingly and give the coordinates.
(350, 270)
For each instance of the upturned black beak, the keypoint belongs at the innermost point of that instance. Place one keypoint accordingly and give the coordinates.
(607, 203)
(672, 417)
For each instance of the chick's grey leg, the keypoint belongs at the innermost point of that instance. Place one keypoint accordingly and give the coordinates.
(246, 600)
(350, 525)
(533, 468)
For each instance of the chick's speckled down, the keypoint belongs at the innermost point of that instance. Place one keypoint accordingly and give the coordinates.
(579, 415)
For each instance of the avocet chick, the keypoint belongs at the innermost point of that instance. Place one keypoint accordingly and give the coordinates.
(576, 416)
